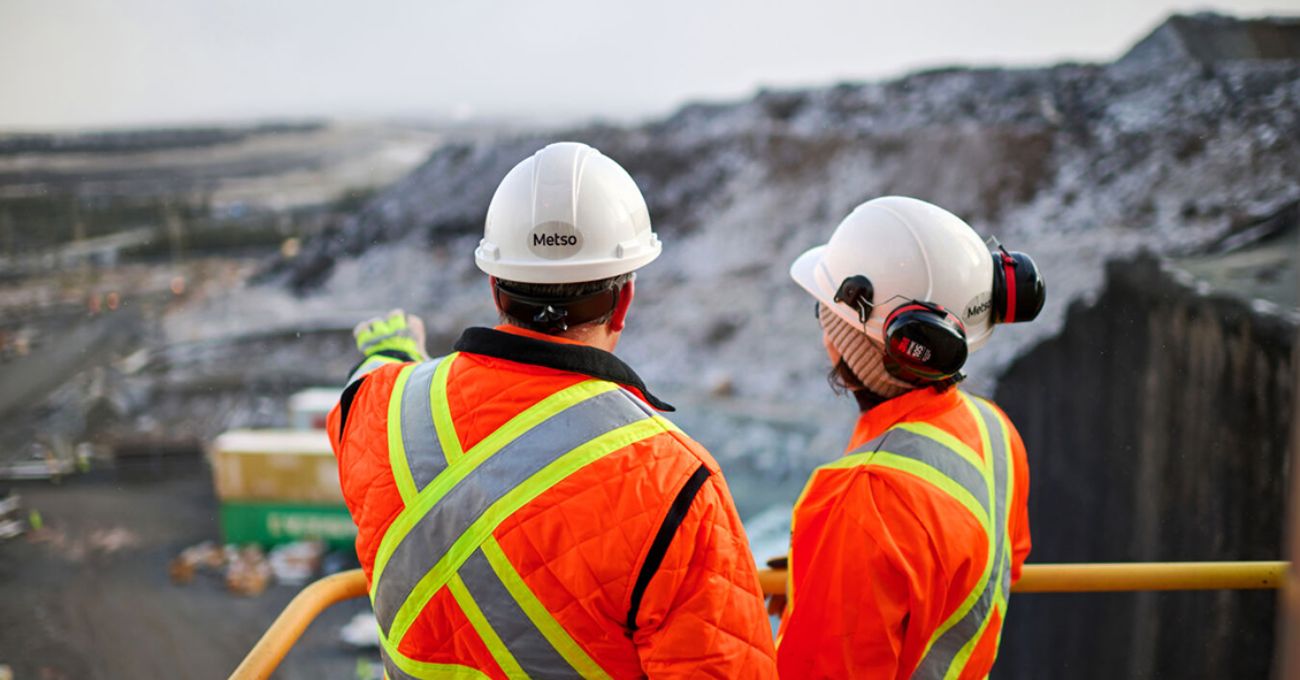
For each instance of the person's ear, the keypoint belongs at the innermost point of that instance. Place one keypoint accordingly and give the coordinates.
(619, 319)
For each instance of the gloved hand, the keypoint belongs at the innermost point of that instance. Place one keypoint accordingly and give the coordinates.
(396, 331)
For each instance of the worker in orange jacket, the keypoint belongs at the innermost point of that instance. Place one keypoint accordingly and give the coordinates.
(522, 508)
(903, 551)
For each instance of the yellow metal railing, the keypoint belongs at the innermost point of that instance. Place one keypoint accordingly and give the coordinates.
(1036, 578)
(290, 624)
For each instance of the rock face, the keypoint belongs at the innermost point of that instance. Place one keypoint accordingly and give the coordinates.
(1157, 424)
(1209, 38)
(1073, 163)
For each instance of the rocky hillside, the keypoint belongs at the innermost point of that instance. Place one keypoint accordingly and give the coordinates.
(1167, 148)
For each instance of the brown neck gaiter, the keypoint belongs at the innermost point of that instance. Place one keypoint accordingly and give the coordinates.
(864, 356)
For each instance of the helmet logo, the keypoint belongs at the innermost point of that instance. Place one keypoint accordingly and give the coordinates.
(978, 305)
(555, 240)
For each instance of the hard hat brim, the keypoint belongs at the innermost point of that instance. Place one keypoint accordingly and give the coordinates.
(802, 270)
(527, 271)
(808, 271)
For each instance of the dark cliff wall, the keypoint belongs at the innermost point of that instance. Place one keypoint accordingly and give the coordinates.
(1157, 428)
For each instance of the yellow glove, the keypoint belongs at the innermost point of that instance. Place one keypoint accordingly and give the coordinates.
(396, 332)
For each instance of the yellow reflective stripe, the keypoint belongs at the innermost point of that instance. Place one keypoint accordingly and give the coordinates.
(845, 462)
(535, 414)
(950, 442)
(510, 503)
(442, 411)
(371, 364)
(987, 446)
(958, 493)
(963, 655)
(396, 450)
(918, 469)
(986, 467)
(1011, 466)
(425, 669)
(431, 671)
(539, 614)
(480, 452)
(1002, 599)
(475, 615)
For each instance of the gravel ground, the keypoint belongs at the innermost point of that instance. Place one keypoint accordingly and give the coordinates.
(92, 599)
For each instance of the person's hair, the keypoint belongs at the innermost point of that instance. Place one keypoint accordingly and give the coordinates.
(843, 381)
(561, 291)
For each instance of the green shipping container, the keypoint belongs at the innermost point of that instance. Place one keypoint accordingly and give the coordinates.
(269, 523)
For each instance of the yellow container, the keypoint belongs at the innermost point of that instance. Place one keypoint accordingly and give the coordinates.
(276, 465)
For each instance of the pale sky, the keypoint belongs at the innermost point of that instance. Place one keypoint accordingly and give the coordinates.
(97, 63)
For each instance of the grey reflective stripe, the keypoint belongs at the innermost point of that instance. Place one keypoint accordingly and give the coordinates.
(871, 446)
(638, 402)
(424, 455)
(394, 673)
(1001, 469)
(920, 448)
(526, 643)
(941, 655)
(518, 460)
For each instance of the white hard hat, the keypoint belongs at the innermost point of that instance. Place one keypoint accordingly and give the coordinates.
(909, 250)
(566, 214)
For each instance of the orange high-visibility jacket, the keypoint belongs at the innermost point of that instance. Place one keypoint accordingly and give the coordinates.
(904, 551)
(523, 511)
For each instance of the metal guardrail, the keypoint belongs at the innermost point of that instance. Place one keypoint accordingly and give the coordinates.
(1121, 577)
(1035, 578)
(290, 624)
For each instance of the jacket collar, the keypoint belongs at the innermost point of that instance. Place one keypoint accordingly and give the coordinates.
(918, 404)
(522, 346)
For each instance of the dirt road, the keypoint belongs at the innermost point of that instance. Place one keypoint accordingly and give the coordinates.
(94, 601)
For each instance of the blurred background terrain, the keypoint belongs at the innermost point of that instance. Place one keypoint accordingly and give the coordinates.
(161, 286)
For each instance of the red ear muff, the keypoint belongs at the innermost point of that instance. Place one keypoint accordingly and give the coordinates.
(924, 343)
(1018, 289)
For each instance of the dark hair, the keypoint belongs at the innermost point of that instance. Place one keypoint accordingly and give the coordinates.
(843, 380)
(561, 292)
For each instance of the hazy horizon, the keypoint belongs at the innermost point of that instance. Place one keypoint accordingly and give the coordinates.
(79, 64)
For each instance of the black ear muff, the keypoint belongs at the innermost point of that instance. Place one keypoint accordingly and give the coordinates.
(924, 343)
(1018, 288)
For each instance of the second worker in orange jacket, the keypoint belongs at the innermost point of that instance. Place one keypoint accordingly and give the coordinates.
(903, 551)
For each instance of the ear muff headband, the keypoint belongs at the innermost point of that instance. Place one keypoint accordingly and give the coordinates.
(1009, 276)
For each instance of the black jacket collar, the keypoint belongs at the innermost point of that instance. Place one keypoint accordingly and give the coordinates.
(582, 359)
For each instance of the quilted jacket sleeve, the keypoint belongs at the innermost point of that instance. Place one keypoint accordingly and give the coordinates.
(703, 614)
(357, 428)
